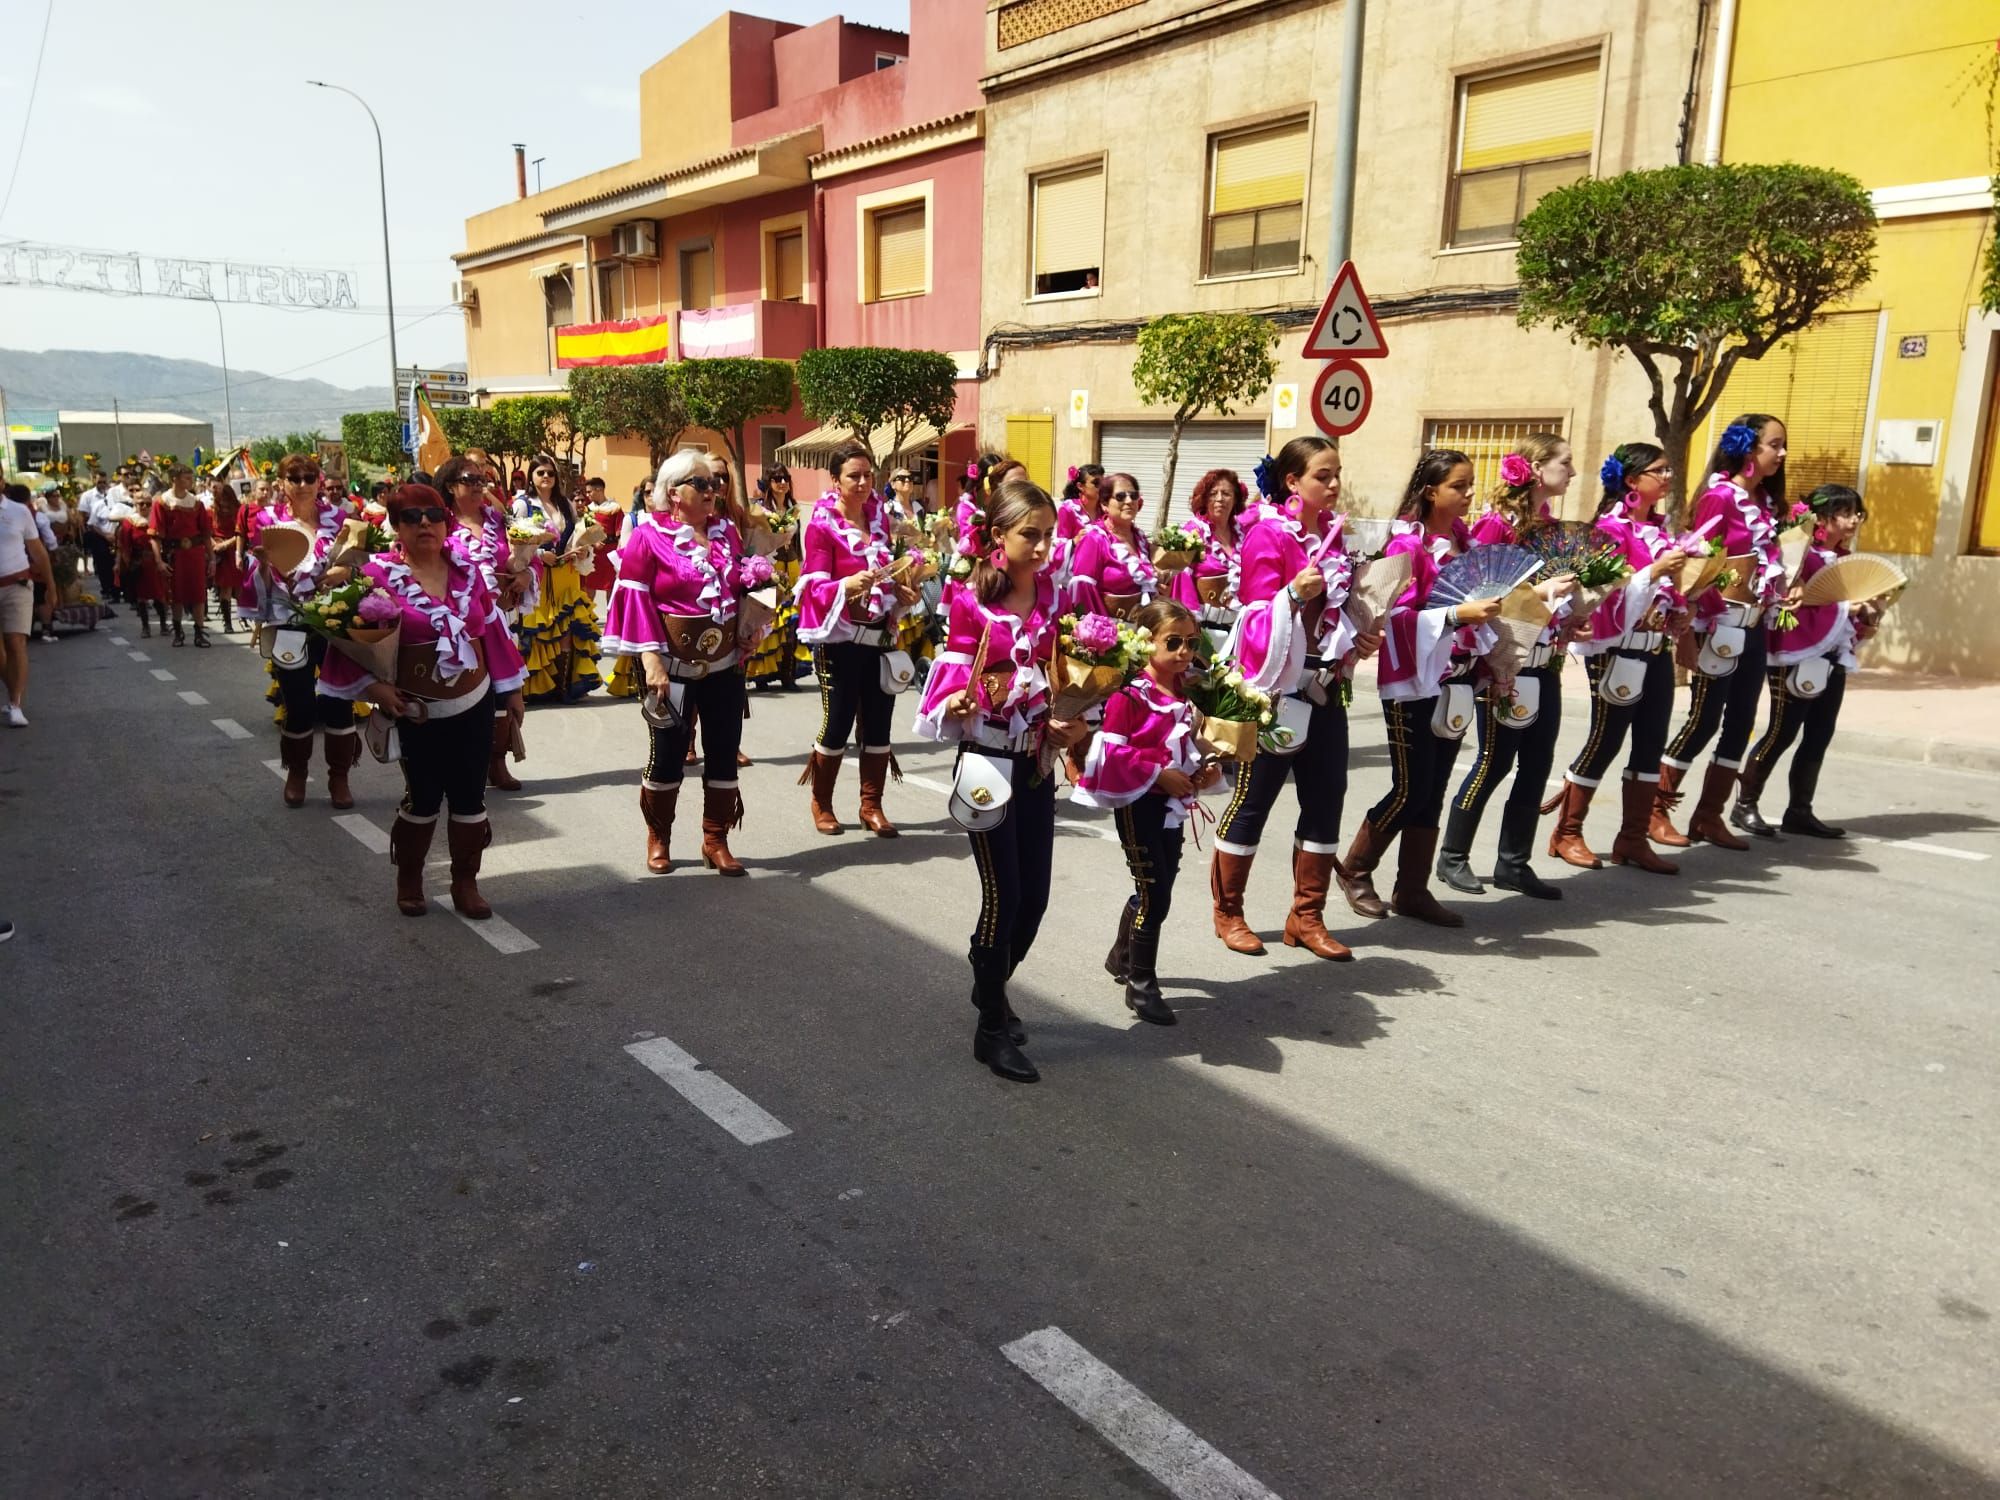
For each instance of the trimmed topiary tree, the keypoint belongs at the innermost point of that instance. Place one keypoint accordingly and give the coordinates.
(1197, 362)
(863, 389)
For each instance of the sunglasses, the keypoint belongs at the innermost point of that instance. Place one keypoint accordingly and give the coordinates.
(302, 479)
(477, 481)
(701, 484)
(1125, 495)
(412, 515)
(1173, 643)
(899, 479)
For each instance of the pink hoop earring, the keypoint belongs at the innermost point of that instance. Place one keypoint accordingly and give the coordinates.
(998, 558)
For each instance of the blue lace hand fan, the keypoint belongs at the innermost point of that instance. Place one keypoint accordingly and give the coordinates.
(1483, 573)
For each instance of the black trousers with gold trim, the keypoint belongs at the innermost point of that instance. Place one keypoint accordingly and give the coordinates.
(715, 702)
(1503, 749)
(1811, 721)
(1420, 765)
(1647, 718)
(1153, 856)
(1319, 769)
(850, 689)
(1729, 702)
(1014, 862)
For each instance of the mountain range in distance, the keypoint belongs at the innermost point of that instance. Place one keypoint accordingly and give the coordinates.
(37, 385)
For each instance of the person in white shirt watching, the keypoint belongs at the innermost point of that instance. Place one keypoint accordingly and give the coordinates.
(23, 560)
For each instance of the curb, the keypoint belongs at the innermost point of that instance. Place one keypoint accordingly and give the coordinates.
(1953, 755)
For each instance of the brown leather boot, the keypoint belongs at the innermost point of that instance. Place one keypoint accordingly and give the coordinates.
(656, 806)
(467, 842)
(875, 768)
(721, 810)
(497, 774)
(1566, 839)
(1660, 824)
(1631, 846)
(1706, 824)
(1228, 877)
(1412, 896)
(295, 752)
(822, 770)
(1305, 927)
(1356, 874)
(342, 751)
(409, 846)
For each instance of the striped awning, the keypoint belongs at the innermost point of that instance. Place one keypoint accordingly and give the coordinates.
(814, 450)
(629, 341)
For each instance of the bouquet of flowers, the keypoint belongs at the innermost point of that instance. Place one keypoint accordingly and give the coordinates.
(771, 529)
(1179, 547)
(525, 535)
(1095, 657)
(358, 540)
(1233, 713)
(754, 572)
(755, 579)
(362, 621)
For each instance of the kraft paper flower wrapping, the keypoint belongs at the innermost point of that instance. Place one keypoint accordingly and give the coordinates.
(1377, 586)
(1523, 618)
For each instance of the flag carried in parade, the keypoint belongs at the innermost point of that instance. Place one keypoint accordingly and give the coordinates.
(428, 443)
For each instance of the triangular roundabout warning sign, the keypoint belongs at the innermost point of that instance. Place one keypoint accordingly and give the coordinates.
(1346, 326)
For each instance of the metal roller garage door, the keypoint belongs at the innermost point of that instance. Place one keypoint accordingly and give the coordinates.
(1140, 449)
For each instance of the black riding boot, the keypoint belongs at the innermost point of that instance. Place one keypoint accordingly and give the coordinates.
(991, 1043)
(1142, 983)
(1117, 962)
(1517, 840)
(1454, 866)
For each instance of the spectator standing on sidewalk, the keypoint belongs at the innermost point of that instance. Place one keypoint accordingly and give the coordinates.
(99, 530)
(23, 560)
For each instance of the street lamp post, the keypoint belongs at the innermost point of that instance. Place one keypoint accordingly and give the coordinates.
(382, 178)
(228, 407)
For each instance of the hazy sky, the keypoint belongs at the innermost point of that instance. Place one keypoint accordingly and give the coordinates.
(186, 128)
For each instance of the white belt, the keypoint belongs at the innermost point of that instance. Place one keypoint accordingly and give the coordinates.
(1218, 614)
(1645, 642)
(1740, 614)
(694, 671)
(1538, 656)
(992, 737)
(875, 635)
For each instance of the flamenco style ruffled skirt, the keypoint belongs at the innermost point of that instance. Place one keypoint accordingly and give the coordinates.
(562, 615)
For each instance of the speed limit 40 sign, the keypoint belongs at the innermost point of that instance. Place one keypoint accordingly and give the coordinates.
(1341, 397)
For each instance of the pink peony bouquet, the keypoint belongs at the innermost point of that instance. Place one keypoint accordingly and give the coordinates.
(1094, 635)
(753, 573)
(1096, 656)
(377, 608)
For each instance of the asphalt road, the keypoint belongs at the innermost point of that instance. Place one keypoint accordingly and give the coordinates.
(1675, 1187)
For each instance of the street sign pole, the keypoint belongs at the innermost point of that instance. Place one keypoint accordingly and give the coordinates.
(1347, 133)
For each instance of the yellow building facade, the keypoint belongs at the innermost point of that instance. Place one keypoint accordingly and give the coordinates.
(1153, 156)
(1898, 392)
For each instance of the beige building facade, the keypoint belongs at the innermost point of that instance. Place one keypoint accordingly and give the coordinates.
(1147, 156)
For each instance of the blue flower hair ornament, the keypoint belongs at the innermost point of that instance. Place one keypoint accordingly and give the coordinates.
(1612, 475)
(1738, 442)
(1266, 475)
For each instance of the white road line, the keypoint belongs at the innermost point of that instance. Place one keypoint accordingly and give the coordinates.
(276, 768)
(138, 656)
(193, 700)
(502, 934)
(1921, 847)
(1095, 830)
(234, 730)
(161, 674)
(119, 640)
(373, 839)
(727, 1106)
(1128, 1420)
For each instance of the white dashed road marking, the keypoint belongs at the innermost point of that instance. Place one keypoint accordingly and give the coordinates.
(138, 656)
(1126, 1418)
(234, 730)
(502, 934)
(161, 674)
(119, 640)
(1922, 848)
(371, 838)
(727, 1106)
(193, 700)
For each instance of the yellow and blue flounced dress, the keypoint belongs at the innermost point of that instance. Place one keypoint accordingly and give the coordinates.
(562, 617)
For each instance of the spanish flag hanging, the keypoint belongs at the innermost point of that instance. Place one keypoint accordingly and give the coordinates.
(631, 341)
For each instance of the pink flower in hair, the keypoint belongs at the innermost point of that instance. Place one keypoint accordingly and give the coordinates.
(1515, 471)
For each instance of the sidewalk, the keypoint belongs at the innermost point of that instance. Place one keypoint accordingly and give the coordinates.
(1952, 722)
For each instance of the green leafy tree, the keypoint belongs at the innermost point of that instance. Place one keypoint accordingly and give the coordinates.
(725, 394)
(1197, 362)
(469, 427)
(863, 389)
(374, 437)
(268, 450)
(642, 401)
(1695, 268)
(527, 425)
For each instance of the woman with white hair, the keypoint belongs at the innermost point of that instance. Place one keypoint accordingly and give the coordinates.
(676, 608)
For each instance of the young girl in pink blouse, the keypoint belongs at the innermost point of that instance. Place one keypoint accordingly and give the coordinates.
(1143, 765)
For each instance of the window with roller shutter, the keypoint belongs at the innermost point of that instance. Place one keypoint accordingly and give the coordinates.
(1520, 135)
(1256, 199)
(1140, 449)
(1816, 383)
(897, 242)
(1067, 208)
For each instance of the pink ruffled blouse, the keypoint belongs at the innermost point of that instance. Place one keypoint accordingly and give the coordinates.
(1418, 643)
(835, 549)
(451, 625)
(1641, 543)
(1146, 730)
(1023, 649)
(1747, 527)
(666, 569)
(1272, 638)
(1101, 563)
(1823, 629)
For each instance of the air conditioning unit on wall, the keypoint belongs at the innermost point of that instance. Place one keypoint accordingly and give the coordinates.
(465, 294)
(636, 240)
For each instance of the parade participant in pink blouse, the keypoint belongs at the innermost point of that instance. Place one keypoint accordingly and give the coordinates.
(1080, 507)
(848, 609)
(1625, 651)
(303, 709)
(1143, 764)
(1111, 565)
(1808, 669)
(479, 538)
(1293, 640)
(1533, 478)
(1209, 588)
(455, 668)
(1746, 499)
(677, 608)
(1006, 619)
(1417, 658)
